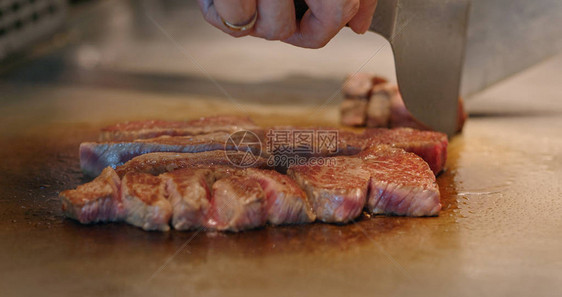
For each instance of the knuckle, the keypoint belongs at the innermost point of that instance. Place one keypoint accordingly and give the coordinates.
(287, 32)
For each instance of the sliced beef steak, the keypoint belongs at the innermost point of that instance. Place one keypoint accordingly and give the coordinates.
(158, 163)
(150, 129)
(353, 111)
(189, 193)
(379, 106)
(95, 156)
(337, 188)
(429, 145)
(238, 203)
(312, 141)
(286, 202)
(96, 201)
(388, 180)
(144, 199)
(373, 102)
(401, 183)
(360, 85)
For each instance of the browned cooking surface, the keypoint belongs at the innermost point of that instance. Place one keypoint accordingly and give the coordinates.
(500, 215)
(499, 233)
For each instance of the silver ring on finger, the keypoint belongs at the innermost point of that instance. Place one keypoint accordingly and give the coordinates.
(249, 25)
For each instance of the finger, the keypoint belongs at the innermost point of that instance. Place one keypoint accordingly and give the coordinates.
(361, 22)
(323, 20)
(276, 19)
(236, 12)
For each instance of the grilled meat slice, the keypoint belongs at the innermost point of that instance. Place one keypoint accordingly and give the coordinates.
(353, 111)
(95, 202)
(157, 163)
(388, 180)
(311, 141)
(95, 156)
(379, 106)
(145, 203)
(359, 85)
(150, 129)
(429, 145)
(189, 193)
(337, 188)
(238, 203)
(286, 202)
(401, 183)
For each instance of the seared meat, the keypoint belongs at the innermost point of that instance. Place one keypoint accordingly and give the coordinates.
(373, 102)
(359, 85)
(238, 203)
(390, 180)
(145, 202)
(94, 156)
(210, 186)
(357, 90)
(96, 201)
(157, 163)
(401, 183)
(354, 111)
(379, 107)
(430, 146)
(337, 188)
(312, 141)
(286, 203)
(189, 192)
(150, 129)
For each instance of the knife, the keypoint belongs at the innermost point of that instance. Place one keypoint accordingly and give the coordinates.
(428, 39)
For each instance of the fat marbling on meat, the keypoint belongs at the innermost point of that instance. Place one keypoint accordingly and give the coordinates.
(127, 131)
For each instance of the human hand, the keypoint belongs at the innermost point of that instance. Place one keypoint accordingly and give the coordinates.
(276, 19)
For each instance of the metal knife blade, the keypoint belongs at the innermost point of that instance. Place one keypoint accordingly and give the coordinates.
(428, 38)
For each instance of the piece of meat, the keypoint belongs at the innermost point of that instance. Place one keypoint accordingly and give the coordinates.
(153, 128)
(336, 188)
(359, 85)
(286, 202)
(189, 193)
(95, 156)
(429, 145)
(158, 163)
(401, 183)
(353, 111)
(357, 90)
(373, 102)
(146, 206)
(95, 202)
(238, 203)
(288, 145)
(311, 141)
(378, 113)
(387, 180)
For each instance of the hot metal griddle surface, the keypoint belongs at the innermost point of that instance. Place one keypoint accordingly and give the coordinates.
(498, 234)
(498, 231)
